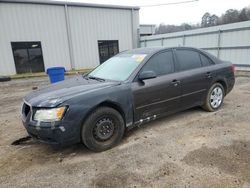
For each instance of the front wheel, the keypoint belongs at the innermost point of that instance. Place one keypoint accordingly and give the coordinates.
(103, 129)
(215, 97)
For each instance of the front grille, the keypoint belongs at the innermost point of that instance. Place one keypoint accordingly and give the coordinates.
(25, 110)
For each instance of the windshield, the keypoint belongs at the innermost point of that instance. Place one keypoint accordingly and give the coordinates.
(118, 68)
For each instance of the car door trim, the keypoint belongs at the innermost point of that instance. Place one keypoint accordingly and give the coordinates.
(199, 91)
(158, 102)
(173, 98)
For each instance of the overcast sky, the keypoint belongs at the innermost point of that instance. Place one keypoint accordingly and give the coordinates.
(175, 14)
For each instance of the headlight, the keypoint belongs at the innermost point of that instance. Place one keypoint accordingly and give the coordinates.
(49, 115)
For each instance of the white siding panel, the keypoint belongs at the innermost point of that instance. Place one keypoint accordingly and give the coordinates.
(46, 23)
(245, 24)
(173, 42)
(143, 44)
(154, 43)
(202, 41)
(147, 29)
(239, 56)
(213, 52)
(88, 25)
(136, 28)
(235, 38)
(29, 22)
(234, 41)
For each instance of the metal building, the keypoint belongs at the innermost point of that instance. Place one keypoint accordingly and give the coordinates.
(35, 35)
(228, 42)
(147, 29)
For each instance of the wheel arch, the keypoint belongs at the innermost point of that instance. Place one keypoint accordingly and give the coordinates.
(113, 105)
(107, 103)
(223, 83)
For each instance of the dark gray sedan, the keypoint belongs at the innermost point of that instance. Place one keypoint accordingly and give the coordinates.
(129, 89)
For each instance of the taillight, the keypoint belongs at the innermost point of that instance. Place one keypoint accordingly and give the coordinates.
(233, 68)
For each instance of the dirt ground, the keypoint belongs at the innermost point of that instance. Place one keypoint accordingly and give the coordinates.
(189, 149)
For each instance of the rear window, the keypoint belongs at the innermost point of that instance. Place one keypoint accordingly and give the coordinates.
(188, 59)
(205, 61)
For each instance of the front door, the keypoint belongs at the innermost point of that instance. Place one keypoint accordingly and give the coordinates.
(107, 49)
(28, 57)
(160, 95)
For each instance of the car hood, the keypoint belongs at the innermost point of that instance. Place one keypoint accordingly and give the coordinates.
(58, 93)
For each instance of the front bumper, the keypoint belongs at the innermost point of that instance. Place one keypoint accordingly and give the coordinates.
(64, 132)
(58, 134)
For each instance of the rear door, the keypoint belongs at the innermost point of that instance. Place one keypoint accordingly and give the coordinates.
(160, 95)
(194, 76)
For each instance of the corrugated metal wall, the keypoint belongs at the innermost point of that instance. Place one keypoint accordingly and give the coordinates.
(29, 22)
(47, 23)
(147, 29)
(88, 25)
(228, 42)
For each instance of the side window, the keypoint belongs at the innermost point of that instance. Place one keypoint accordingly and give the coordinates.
(188, 59)
(205, 61)
(161, 63)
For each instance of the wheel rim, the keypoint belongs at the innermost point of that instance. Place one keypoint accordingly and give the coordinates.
(104, 129)
(216, 97)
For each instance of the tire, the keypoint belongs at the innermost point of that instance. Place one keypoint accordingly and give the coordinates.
(214, 98)
(103, 129)
(4, 78)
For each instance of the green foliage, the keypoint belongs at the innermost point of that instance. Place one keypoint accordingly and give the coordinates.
(207, 20)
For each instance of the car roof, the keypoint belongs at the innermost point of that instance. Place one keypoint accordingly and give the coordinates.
(153, 50)
(145, 50)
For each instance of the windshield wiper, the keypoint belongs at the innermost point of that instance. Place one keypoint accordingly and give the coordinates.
(96, 78)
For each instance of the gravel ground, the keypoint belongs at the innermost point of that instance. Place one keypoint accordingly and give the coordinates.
(189, 149)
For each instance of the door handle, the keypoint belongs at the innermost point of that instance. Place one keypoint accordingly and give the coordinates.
(208, 75)
(176, 82)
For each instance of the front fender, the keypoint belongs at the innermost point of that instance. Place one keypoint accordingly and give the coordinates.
(81, 106)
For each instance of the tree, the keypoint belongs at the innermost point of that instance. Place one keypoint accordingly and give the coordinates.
(205, 20)
(231, 16)
(243, 15)
(209, 20)
(186, 26)
(248, 13)
(162, 28)
(213, 20)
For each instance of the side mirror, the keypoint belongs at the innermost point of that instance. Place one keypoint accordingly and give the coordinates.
(147, 75)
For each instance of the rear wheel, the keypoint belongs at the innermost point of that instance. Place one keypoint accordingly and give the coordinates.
(215, 97)
(103, 129)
